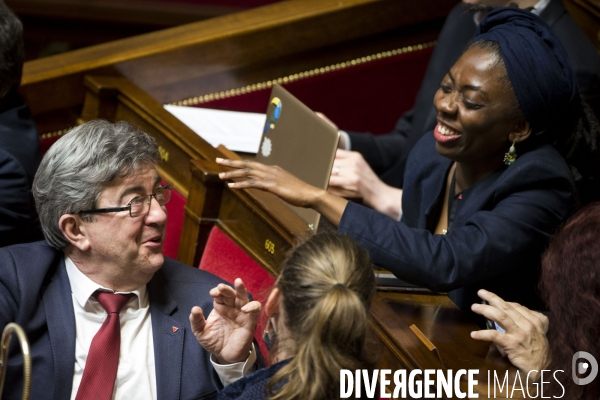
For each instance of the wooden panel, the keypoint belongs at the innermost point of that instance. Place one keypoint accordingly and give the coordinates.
(118, 99)
(587, 15)
(231, 51)
(243, 222)
(258, 222)
(147, 12)
(201, 212)
(56, 26)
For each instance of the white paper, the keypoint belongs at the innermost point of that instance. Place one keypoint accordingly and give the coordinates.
(238, 131)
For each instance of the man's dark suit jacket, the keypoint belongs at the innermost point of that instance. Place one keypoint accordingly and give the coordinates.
(387, 154)
(500, 229)
(19, 160)
(35, 293)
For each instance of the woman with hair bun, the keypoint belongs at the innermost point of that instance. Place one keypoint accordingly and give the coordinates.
(318, 322)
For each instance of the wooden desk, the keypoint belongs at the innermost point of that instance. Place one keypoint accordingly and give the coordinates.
(251, 218)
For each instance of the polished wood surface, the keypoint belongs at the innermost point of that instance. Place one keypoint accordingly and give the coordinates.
(147, 12)
(230, 51)
(57, 26)
(116, 99)
(250, 217)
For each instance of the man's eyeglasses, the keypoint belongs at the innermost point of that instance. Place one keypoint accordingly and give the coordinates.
(138, 205)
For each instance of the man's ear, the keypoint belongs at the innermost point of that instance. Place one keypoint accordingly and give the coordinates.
(521, 132)
(73, 228)
(272, 306)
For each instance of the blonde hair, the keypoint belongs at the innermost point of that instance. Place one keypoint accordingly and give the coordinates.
(326, 288)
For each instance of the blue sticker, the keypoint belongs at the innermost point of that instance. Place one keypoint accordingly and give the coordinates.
(270, 124)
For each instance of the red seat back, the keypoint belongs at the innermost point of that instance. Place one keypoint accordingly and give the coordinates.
(176, 212)
(228, 261)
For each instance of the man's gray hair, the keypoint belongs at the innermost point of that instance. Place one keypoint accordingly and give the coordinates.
(78, 167)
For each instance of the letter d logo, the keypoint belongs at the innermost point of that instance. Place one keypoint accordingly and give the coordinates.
(583, 367)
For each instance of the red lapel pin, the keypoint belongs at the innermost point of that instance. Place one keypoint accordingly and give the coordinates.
(175, 329)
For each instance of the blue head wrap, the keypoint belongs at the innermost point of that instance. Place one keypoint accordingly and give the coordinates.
(539, 69)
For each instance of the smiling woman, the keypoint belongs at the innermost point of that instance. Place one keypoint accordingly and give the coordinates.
(475, 119)
(485, 190)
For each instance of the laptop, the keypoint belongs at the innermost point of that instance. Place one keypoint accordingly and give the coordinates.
(299, 141)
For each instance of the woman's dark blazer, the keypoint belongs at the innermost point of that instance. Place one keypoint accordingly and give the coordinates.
(501, 226)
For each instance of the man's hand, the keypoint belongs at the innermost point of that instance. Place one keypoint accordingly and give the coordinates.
(352, 177)
(229, 329)
(524, 341)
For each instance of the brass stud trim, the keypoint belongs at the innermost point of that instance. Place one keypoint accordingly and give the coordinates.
(54, 134)
(192, 101)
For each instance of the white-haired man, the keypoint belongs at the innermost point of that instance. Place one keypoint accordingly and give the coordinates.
(108, 317)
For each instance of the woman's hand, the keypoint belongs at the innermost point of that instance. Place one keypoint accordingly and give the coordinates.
(252, 174)
(524, 340)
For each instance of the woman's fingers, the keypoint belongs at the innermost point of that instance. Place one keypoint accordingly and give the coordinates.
(233, 163)
(249, 174)
(270, 178)
(242, 168)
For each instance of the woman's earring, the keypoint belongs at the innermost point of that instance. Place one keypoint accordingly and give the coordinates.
(511, 156)
(269, 335)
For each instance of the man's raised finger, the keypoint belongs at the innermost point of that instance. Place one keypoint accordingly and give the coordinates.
(197, 320)
(240, 291)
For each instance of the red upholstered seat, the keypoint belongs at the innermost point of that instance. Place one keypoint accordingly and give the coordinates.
(228, 261)
(176, 213)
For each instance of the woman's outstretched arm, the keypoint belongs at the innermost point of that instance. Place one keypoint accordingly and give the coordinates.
(251, 174)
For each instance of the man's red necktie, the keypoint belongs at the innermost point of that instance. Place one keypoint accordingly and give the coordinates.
(100, 371)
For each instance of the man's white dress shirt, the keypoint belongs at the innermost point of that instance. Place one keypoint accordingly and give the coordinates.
(136, 378)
